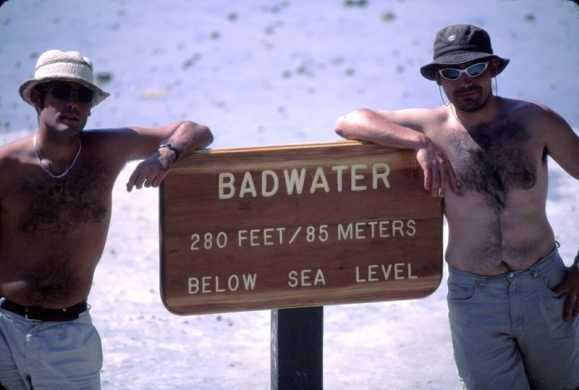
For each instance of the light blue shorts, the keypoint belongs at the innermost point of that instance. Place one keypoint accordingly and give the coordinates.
(49, 355)
(508, 331)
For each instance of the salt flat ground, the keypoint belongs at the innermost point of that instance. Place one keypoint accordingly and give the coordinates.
(268, 73)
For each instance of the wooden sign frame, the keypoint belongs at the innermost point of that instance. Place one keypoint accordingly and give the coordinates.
(297, 226)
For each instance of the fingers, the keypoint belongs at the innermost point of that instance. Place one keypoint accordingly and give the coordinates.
(438, 172)
(436, 182)
(146, 175)
(435, 175)
(570, 288)
(571, 307)
(143, 181)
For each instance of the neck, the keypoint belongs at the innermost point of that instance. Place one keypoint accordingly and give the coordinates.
(57, 145)
(489, 111)
(56, 159)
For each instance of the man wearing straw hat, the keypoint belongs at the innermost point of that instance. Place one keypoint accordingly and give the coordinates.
(512, 302)
(55, 207)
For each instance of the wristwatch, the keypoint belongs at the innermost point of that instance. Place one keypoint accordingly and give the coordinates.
(171, 147)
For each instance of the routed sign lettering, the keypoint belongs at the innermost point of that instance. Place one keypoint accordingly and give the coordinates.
(297, 226)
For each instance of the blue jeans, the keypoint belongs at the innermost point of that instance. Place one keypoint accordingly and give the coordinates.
(508, 331)
(49, 355)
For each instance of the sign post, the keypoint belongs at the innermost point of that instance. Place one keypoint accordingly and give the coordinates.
(297, 226)
(297, 348)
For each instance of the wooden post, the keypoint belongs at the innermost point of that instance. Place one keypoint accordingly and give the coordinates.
(297, 338)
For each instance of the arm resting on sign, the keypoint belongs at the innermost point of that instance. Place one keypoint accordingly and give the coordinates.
(184, 138)
(404, 130)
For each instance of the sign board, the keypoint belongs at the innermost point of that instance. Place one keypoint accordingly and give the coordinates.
(297, 226)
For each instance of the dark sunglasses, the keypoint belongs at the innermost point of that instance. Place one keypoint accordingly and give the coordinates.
(64, 94)
(472, 71)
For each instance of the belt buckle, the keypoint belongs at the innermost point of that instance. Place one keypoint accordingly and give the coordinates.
(29, 316)
(32, 315)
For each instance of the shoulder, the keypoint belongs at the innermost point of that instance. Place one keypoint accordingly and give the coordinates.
(113, 140)
(541, 122)
(418, 118)
(16, 159)
(531, 113)
(17, 151)
(111, 134)
(113, 146)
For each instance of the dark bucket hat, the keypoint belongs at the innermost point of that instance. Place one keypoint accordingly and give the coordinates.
(458, 44)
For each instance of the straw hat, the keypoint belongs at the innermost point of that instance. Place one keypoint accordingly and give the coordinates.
(458, 44)
(64, 66)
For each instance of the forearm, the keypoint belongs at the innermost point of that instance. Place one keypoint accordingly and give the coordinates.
(188, 137)
(168, 144)
(367, 125)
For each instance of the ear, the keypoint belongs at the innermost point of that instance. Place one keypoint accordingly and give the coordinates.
(494, 67)
(437, 79)
(36, 99)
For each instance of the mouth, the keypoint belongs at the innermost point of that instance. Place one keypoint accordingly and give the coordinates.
(69, 117)
(467, 93)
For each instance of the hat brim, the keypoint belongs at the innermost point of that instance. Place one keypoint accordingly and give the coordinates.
(28, 86)
(456, 58)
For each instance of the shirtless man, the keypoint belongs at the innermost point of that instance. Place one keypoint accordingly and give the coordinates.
(55, 208)
(511, 299)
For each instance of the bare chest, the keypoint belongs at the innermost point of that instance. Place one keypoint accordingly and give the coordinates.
(47, 205)
(494, 161)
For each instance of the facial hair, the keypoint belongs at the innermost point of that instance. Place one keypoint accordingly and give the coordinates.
(470, 105)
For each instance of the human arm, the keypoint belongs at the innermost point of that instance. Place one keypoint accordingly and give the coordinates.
(185, 136)
(562, 144)
(404, 130)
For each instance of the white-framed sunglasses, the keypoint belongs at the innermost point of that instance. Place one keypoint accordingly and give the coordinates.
(474, 70)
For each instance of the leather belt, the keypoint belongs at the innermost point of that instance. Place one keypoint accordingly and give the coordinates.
(41, 314)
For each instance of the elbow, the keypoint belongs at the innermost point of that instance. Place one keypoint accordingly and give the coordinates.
(341, 126)
(206, 136)
(202, 135)
(347, 123)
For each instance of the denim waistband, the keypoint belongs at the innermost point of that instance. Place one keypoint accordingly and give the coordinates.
(541, 266)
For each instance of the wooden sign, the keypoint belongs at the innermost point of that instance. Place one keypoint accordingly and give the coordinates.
(297, 226)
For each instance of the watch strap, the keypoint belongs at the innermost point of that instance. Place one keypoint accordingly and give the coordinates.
(171, 147)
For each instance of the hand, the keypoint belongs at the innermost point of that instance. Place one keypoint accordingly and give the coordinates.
(570, 287)
(152, 171)
(437, 169)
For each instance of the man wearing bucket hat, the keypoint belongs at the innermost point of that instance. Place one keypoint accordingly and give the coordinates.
(512, 302)
(55, 207)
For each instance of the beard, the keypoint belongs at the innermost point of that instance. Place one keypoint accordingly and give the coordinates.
(469, 104)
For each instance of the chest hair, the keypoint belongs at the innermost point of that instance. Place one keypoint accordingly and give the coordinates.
(493, 160)
(62, 204)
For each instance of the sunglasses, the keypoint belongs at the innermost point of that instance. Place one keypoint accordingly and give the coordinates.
(64, 94)
(472, 71)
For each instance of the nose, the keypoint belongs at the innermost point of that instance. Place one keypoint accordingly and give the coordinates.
(464, 79)
(73, 100)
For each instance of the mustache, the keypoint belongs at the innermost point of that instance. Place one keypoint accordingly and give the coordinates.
(472, 88)
(70, 112)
